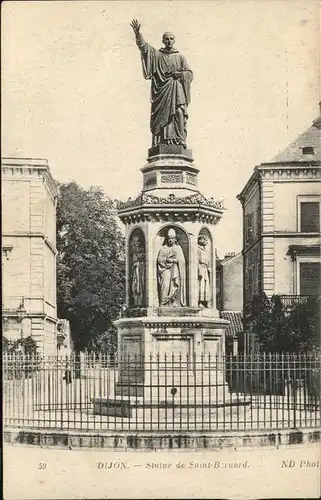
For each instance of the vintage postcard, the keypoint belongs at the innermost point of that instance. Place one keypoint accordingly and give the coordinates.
(161, 175)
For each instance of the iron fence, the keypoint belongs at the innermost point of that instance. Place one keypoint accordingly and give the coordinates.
(169, 392)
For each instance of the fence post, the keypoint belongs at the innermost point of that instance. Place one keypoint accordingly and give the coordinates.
(294, 392)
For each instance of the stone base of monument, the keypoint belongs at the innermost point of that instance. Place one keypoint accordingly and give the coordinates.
(140, 409)
(171, 369)
(173, 393)
(166, 149)
(182, 386)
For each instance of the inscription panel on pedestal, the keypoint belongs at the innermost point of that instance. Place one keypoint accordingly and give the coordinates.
(173, 347)
(131, 348)
(211, 347)
(131, 363)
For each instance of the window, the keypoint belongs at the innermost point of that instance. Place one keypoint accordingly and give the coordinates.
(252, 275)
(258, 278)
(309, 216)
(248, 285)
(308, 150)
(310, 278)
(258, 220)
(255, 280)
(248, 228)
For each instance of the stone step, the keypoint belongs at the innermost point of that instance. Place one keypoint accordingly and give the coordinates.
(132, 408)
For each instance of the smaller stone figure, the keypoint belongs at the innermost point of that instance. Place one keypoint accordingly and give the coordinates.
(204, 271)
(137, 272)
(171, 273)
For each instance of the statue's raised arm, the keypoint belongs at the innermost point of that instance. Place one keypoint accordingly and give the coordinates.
(170, 78)
(135, 25)
(141, 44)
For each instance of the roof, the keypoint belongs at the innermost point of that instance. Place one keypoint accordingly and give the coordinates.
(293, 152)
(36, 162)
(291, 159)
(236, 324)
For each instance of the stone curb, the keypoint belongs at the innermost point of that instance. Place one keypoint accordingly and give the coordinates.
(144, 441)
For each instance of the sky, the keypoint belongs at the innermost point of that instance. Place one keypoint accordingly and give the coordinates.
(73, 90)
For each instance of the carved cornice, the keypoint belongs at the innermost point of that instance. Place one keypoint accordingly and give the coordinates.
(300, 250)
(144, 199)
(291, 172)
(171, 335)
(28, 169)
(170, 216)
(171, 208)
(282, 172)
(168, 322)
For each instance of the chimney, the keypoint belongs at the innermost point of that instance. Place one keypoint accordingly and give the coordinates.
(229, 255)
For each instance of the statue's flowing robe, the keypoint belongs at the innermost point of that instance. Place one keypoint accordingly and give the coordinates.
(171, 276)
(170, 97)
(138, 279)
(204, 274)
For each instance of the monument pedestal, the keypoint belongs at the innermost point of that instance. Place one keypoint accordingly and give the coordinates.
(171, 340)
(167, 359)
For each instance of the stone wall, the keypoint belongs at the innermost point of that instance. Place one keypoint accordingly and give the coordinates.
(29, 244)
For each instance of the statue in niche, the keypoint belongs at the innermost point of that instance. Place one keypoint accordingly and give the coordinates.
(171, 79)
(137, 271)
(171, 273)
(204, 271)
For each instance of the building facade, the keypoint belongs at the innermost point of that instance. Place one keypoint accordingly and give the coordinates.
(281, 223)
(229, 298)
(29, 197)
(229, 282)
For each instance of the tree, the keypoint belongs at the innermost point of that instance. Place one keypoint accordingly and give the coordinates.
(90, 262)
(281, 329)
(306, 324)
(26, 345)
(106, 343)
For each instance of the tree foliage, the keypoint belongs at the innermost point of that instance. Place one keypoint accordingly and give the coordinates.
(90, 262)
(106, 343)
(279, 328)
(26, 345)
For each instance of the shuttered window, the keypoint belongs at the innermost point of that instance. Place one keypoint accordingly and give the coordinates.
(310, 217)
(310, 278)
(258, 220)
(248, 228)
(249, 284)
